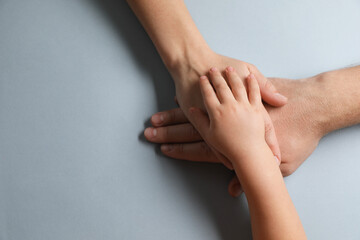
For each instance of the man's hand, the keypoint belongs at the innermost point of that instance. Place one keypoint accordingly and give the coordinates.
(296, 124)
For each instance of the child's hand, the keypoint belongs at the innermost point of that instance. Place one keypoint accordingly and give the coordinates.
(235, 123)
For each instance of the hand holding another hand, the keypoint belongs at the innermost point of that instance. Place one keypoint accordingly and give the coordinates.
(182, 141)
(234, 124)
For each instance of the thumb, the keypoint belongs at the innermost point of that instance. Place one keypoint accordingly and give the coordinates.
(199, 119)
(270, 137)
(268, 91)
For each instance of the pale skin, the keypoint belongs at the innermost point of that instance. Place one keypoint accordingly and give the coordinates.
(317, 106)
(233, 124)
(187, 56)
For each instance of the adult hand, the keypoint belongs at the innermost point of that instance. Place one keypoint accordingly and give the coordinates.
(187, 72)
(186, 76)
(296, 126)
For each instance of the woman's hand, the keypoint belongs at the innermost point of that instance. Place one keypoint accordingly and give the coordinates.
(186, 74)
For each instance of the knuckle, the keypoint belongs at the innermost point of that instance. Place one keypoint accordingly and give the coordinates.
(179, 148)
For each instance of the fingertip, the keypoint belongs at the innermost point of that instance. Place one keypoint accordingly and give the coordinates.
(157, 119)
(150, 133)
(281, 98)
(278, 159)
(235, 190)
(203, 81)
(270, 95)
(203, 78)
(251, 80)
(213, 69)
(251, 76)
(229, 69)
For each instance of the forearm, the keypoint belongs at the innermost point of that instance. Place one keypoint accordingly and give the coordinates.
(339, 98)
(273, 215)
(171, 28)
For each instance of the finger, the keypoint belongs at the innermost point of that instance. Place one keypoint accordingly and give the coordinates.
(270, 136)
(197, 152)
(236, 84)
(172, 134)
(200, 120)
(235, 189)
(222, 89)
(208, 94)
(169, 117)
(253, 90)
(268, 91)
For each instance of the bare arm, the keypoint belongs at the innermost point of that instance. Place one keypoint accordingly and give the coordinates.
(322, 103)
(234, 126)
(185, 52)
(171, 29)
(339, 98)
(273, 215)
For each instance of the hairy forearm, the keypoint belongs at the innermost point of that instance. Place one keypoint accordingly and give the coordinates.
(171, 28)
(273, 215)
(339, 98)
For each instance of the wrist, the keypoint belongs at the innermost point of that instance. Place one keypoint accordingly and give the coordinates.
(247, 154)
(339, 101)
(258, 164)
(306, 105)
(315, 105)
(189, 61)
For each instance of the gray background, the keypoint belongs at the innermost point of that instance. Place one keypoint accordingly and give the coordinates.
(78, 82)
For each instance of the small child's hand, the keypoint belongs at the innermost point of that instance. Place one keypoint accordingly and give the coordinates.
(235, 123)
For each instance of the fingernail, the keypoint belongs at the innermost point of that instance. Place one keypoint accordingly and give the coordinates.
(157, 118)
(213, 69)
(251, 76)
(230, 69)
(277, 160)
(203, 77)
(281, 96)
(150, 132)
(166, 147)
(237, 190)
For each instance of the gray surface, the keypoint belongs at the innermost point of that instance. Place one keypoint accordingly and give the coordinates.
(78, 82)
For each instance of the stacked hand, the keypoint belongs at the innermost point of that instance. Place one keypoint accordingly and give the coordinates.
(181, 140)
(234, 124)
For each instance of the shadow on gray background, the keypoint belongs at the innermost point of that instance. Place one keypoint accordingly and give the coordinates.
(206, 183)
